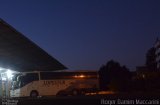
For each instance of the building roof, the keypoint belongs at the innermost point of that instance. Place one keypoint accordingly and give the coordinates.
(20, 54)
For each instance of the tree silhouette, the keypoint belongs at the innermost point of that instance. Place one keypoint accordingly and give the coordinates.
(114, 77)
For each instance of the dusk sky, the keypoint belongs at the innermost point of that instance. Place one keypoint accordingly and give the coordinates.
(84, 34)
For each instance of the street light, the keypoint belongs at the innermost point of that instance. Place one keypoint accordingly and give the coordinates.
(9, 74)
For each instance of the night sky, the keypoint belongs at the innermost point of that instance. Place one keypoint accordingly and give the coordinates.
(84, 34)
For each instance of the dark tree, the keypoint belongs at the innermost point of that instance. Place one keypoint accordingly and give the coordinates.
(103, 78)
(114, 77)
(151, 59)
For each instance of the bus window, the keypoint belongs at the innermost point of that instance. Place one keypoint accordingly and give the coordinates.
(25, 79)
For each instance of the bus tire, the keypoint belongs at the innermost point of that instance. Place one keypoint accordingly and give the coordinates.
(34, 94)
(61, 93)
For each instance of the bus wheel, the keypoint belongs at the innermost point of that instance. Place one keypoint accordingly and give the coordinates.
(75, 92)
(34, 94)
(61, 93)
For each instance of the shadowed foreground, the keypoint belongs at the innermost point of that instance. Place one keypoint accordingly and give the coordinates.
(144, 98)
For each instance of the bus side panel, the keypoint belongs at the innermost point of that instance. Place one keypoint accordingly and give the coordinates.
(52, 87)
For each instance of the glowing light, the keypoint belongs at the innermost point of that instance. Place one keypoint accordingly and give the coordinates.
(9, 73)
(75, 76)
(143, 75)
(2, 68)
(79, 76)
(101, 93)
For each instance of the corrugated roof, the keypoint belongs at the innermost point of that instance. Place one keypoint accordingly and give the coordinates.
(19, 53)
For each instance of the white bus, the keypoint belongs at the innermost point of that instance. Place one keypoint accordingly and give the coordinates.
(53, 83)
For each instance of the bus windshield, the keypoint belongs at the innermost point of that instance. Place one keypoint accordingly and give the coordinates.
(21, 80)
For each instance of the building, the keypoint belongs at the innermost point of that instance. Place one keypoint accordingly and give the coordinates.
(151, 63)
